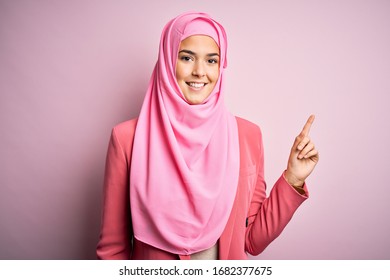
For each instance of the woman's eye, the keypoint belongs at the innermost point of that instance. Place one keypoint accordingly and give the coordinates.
(213, 61)
(186, 58)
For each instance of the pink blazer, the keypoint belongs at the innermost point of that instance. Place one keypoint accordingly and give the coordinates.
(254, 222)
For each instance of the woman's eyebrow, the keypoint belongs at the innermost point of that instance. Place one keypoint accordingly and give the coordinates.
(192, 53)
(187, 51)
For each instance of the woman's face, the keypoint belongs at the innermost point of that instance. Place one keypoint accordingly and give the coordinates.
(197, 67)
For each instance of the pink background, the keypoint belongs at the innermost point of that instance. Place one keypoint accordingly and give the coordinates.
(71, 70)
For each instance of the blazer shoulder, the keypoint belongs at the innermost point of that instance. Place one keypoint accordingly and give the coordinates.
(125, 130)
(123, 133)
(246, 127)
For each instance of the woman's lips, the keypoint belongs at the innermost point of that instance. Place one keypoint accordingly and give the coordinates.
(196, 86)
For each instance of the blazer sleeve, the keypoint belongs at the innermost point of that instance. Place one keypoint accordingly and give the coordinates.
(115, 240)
(268, 216)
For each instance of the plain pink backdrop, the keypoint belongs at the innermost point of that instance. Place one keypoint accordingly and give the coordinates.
(71, 70)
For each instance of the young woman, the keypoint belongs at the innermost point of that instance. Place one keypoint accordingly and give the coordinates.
(186, 179)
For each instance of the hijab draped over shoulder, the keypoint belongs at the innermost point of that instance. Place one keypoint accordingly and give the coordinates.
(185, 158)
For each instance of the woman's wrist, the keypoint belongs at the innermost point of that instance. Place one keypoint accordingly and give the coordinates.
(292, 180)
(298, 186)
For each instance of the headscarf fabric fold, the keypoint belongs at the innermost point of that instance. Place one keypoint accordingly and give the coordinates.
(185, 158)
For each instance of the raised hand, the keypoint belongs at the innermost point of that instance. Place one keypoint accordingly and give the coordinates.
(303, 157)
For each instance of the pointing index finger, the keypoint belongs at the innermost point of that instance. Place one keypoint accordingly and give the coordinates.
(306, 128)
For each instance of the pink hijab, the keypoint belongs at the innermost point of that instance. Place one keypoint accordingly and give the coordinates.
(185, 159)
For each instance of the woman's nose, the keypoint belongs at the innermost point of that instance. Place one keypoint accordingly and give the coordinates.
(199, 70)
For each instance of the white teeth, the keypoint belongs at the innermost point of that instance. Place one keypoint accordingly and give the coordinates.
(196, 85)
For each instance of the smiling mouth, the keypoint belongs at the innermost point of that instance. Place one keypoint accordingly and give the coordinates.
(196, 86)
